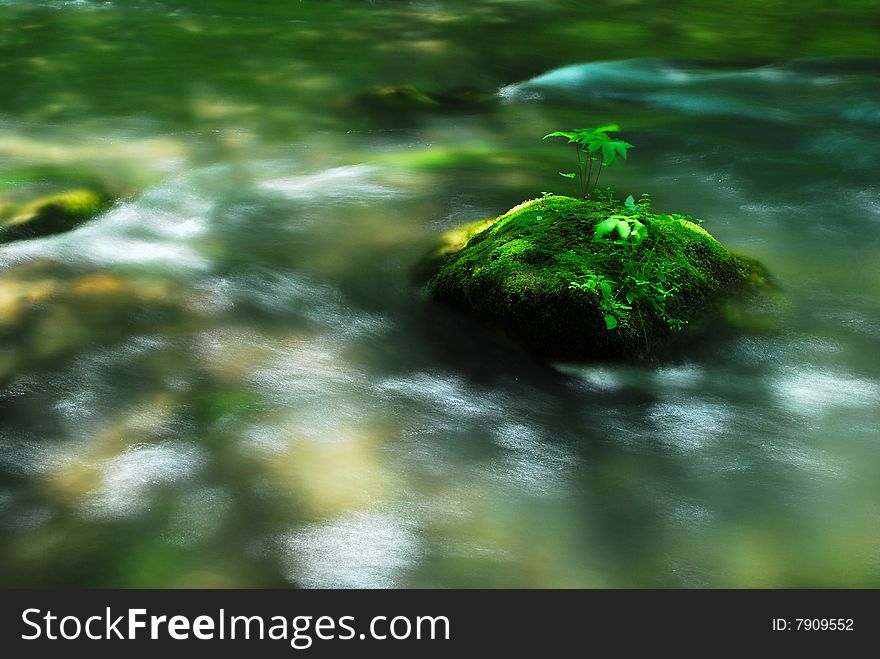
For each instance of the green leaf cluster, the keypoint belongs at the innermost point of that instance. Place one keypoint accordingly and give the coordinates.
(643, 281)
(609, 304)
(628, 227)
(594, 148)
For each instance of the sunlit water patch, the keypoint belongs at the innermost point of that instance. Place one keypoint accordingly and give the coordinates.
(364, 550)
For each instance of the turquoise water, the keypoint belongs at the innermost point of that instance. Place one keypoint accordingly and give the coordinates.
(232, 377)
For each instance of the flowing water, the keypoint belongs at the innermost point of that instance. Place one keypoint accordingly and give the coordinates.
(233, 378)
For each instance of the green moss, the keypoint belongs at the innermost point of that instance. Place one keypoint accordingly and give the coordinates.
(74, 203)
(533, 273)
(450, 242)
(53, 214)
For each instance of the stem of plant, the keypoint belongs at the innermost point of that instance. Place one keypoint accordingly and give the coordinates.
(644, 329)
(589, 175)
(598, 173)
(579, 179)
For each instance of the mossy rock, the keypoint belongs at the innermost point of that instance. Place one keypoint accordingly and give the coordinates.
(540, 274)
(407, 102)
(450, 242)
(52, 214)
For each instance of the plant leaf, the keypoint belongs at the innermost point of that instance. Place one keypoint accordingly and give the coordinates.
(621, 147)
(623, 229)
(571, 137)
(641, 231)
(610, 321)
(630, 203)
(605, 227)
(608, 153)
(606, 289)
(607, 128)
(568, 175)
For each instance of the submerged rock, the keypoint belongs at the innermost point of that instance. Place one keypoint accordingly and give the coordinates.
(48, 313)
(54, 213)
(406, 102)
(543, 275)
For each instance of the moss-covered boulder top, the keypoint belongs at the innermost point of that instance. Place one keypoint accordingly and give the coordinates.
(40, 201)
(546, 277)
(51, 214)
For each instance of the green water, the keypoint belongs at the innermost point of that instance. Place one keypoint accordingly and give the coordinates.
(232, 378)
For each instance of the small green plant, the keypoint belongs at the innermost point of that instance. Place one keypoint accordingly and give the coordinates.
(612, 307)
(630, 230)
(644, 281)
(592, 146)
